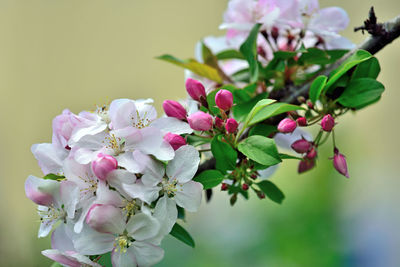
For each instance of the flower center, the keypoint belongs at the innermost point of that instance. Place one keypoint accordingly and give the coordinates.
(121, 243)
(91, 184)
(140, 123)
(170, 186)
(131, 207)
(51, 214)
(114, 143)
(102, 111)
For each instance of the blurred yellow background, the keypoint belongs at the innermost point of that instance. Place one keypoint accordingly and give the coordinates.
(57, 54)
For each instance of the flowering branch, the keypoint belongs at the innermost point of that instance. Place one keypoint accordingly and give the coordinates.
(372, 44)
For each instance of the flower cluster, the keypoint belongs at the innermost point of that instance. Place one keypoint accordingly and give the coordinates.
(116, 179)
(113, 180)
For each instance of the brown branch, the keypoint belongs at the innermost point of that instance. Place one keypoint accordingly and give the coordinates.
(389, 31)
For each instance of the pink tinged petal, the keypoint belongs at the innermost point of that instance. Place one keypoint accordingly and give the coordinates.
(123, 259)
(41, 191)
(91, 242)
(106, 196)
(122, 112)
(329, 20)
(145, 193)
(147, 254)
(172, 125)
(85, 261)
(60, 238)
(49, 157)
(142, 226)
(188, 195)
(184, 165)
(69, 194)
(127, 161)
(147, 112)
(105, 219)
(166, 213)
(61, 258)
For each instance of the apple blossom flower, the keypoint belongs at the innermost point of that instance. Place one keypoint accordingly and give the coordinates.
(127, 240)
(57, 201)
(177, 184)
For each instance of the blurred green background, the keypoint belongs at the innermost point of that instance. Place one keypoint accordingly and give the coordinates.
(57, 54)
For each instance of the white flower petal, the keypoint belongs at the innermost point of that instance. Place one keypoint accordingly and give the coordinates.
(142, 226)
(139, 190)
(188, 195)
(184, 165)
(166, 213)
(69, 194)
(172, 125)
(60, 239)
(91, 242)
(106, 219)
(123, 259)
(147, 254)
(49, 157)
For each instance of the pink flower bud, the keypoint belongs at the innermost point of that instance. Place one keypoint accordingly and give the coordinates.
(200, 121)
(245, 187)
(174, 109)
(339, 162)
(224, 187)
(103, 165)
(195, 89)
(219, 123)
(305, 165)
(175, 140)
(302, 121)
(327, 123)
(224, 99)
(312, 153)
(287, 125)
(231, 125)
(301, 146)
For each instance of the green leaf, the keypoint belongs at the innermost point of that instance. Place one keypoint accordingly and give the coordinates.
(286, 156)
(272, 191)
(182, 235)
(56, 264)
(52, 176)
(316, 87)
(224, 154)
(209, 178)
(260, 149)
(229, 54)
(367, 69)
(285, 54)
(242, 110)
(194, 66)
(181, 213)
(267, 111)
(256, 113)
(355, 59)
(361, 92)
(249, 51)
(195, 140)
(105, 260)
(320, 57)
(262, 129)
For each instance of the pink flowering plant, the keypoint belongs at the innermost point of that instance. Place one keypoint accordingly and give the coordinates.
(117, 180)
